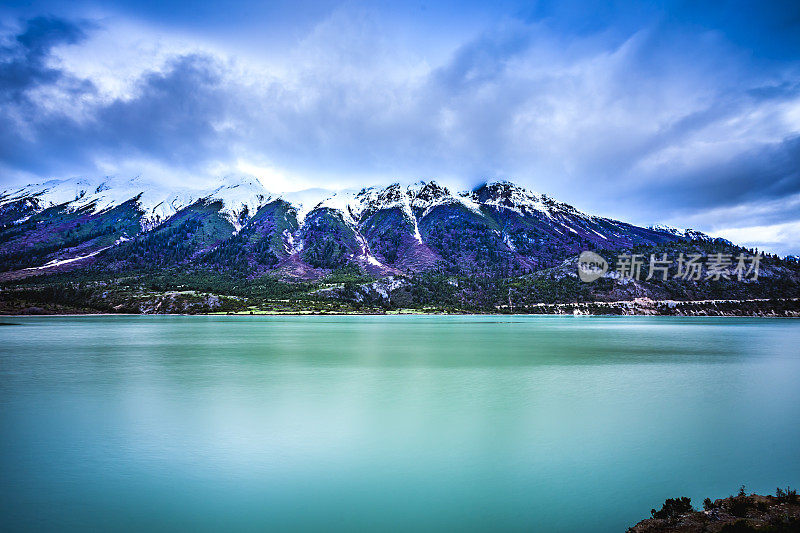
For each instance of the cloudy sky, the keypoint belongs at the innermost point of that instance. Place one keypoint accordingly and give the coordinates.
(663, 112)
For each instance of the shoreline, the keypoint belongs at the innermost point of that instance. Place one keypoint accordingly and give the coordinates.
(78, 315)
(755, 307)
(564, 315)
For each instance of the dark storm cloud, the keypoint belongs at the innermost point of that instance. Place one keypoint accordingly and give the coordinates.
(763, 173)
(171, 116)
(23, 62)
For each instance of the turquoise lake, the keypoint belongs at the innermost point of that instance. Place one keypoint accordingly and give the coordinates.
(401, 423)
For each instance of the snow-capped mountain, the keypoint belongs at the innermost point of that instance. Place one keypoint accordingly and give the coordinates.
(497, 228)
(687, 233)
(156, 202)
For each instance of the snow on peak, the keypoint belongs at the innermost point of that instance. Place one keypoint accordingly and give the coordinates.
(427, 195)
(501, 186)
(666, 228)
(419, 196)
(696, 235)
(157, 201)
(344, 201)
(353, 203)
(688, 233)
(507, 195)
(53, 192)
(305, 201)
(241, 198)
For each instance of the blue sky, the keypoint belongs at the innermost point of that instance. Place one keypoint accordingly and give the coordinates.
(649, 112)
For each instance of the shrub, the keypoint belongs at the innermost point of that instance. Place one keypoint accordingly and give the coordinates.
(739, 505)
(672, 508)
(787, 496)
(708, 504)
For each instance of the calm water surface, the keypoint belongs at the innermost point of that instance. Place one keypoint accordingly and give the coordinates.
(388, 423)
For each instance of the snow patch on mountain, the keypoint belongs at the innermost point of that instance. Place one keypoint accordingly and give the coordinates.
(428, 195)
(241, 198)
(688, 233)
(666, 228)
(366, 254)
(59, 262)
(291, 245)
(345, 202)
(49, 193)
(157, 202)
(503, 194)
(305, 201)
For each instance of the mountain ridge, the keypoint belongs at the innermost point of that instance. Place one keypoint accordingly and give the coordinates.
(495, 228)
(118, 246)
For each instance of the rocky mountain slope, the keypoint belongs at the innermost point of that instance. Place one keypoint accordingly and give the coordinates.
(127, 246)
(498, 229)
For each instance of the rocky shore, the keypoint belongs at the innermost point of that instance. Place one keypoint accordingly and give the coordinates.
(742, 513)
(772, 307)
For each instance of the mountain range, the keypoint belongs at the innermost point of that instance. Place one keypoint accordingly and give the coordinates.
(498, 228)
(128, 245)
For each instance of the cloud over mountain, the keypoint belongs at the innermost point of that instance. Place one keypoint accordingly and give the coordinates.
(672, 110)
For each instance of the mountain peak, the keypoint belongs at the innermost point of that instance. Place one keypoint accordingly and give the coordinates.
(508, 195)
(687, 233)
(241, 198)
(428, 191)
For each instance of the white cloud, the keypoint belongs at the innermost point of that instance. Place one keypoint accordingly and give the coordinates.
(781, 238)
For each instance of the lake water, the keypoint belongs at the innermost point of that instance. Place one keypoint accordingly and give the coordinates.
(388, 423)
